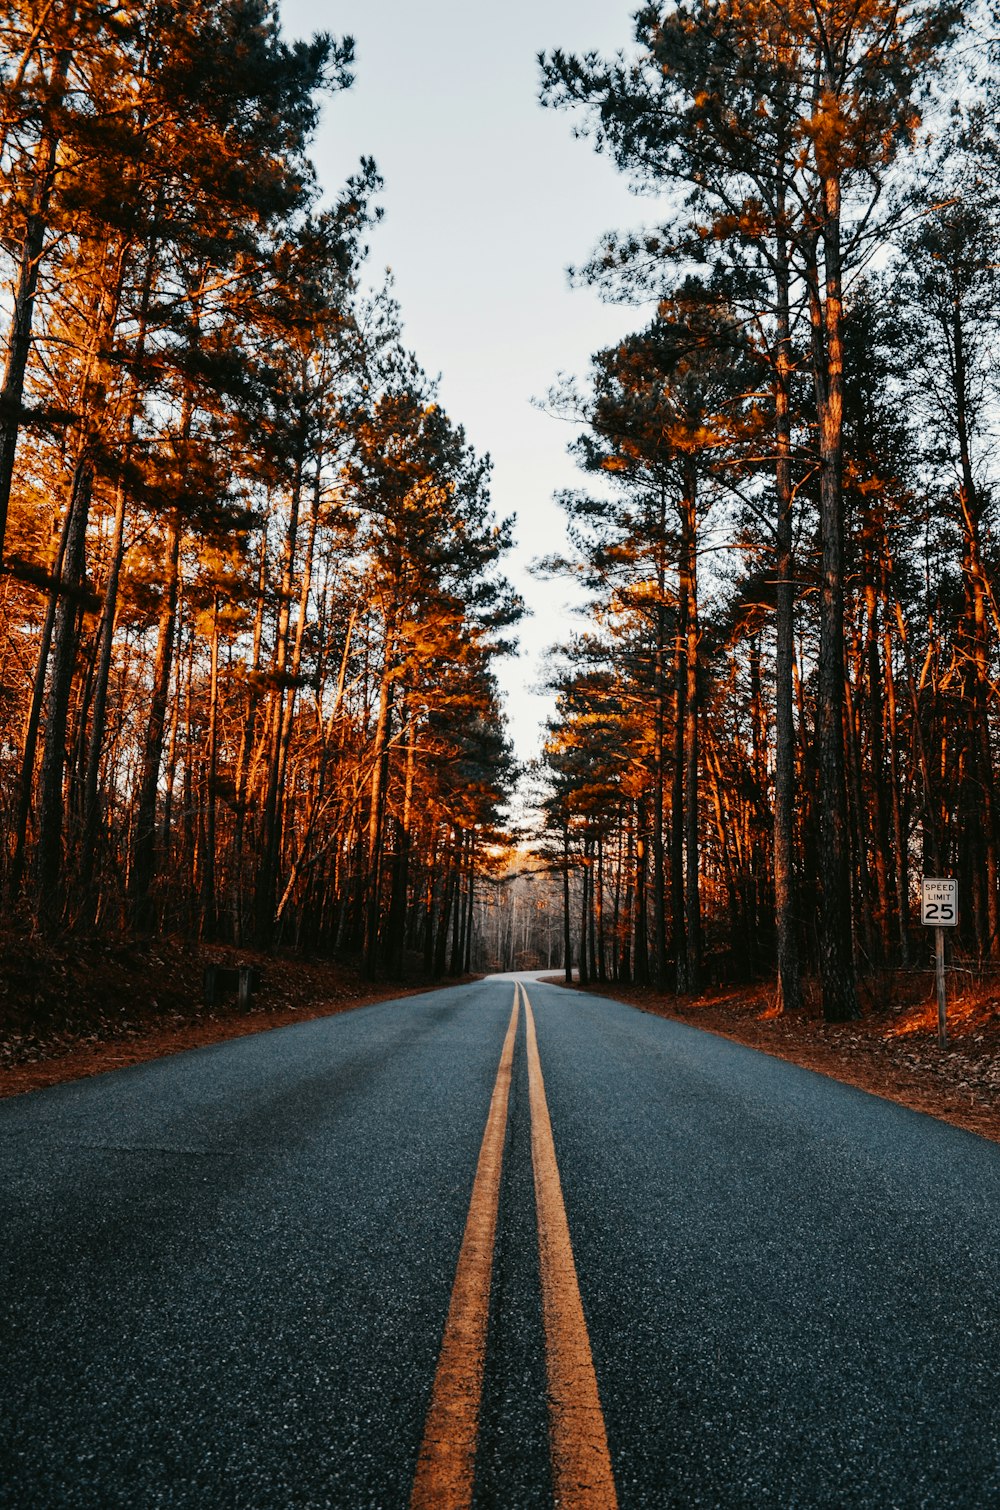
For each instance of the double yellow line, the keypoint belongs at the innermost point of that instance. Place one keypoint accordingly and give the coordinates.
(581, 1464)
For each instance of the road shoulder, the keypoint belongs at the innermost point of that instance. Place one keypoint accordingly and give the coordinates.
(894, 1056)
(125, 1004)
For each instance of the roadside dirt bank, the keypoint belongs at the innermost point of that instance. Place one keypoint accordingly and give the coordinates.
(892, 1051)
(77, 1008)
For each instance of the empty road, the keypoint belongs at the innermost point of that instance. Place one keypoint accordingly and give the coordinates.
(501, 1245)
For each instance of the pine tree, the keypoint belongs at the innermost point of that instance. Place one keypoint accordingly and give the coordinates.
(764, 113)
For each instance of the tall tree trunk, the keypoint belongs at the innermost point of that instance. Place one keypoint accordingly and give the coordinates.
(692, 889)
(376, 814)
(247, 740)
(837, 967)
(567, 926)
(29, 747)
(757, 887)
(591, 911)
(396, 940)
(98, 715)
(98, 711)
(677, 915)
(172, 739)
(862, 909)
(659, 802)
(103, 311)
(899, 828)
(623, 963)
(602, 967)
(977, 657)
(723, 827)
(267, 871)
(641, 898)
(470, 915)
(786, 925)
(64, 648)
(461, 902)
(143, 867)
(209, 910)
(28, 267)
(662, 694)
(584, 914)
(876, 723)
(447, 902)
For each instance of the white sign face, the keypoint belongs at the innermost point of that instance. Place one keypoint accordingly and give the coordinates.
(938, 902)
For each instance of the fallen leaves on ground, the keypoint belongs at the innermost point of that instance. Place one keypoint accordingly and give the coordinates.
(74, 1008)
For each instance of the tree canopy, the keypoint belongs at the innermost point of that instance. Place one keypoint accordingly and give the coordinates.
(252, 584)
(791, 572)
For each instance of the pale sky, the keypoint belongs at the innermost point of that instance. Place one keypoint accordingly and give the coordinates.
(487, 200)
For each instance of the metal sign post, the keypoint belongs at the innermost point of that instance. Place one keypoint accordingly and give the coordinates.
(939, 910)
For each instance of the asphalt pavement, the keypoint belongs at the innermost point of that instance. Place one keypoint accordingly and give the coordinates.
(224, 1276)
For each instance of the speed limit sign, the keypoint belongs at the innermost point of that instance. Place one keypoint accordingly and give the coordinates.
(939, 902)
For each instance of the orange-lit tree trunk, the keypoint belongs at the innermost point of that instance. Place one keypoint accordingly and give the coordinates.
(40, 186)
(661, 697)
(641, 895)
(689, 593)
(836, 934)
(64, 646)
(288, 661)
(29, 745)
(396, 926)
(106, 632)
(677, 913)
(863, 910)
(143, 867)
(267, 870)
(786, 922)
(247, 742)
(375, 846)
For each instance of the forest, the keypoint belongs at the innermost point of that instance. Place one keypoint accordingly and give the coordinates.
(252, 590)
(252, 587)
(784, 709)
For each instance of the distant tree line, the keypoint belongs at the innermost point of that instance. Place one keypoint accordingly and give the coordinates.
(518, 922)
(251, 593)
(787, 705)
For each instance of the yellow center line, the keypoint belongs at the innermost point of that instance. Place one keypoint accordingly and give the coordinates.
(581, 1463)
(447, 1459)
